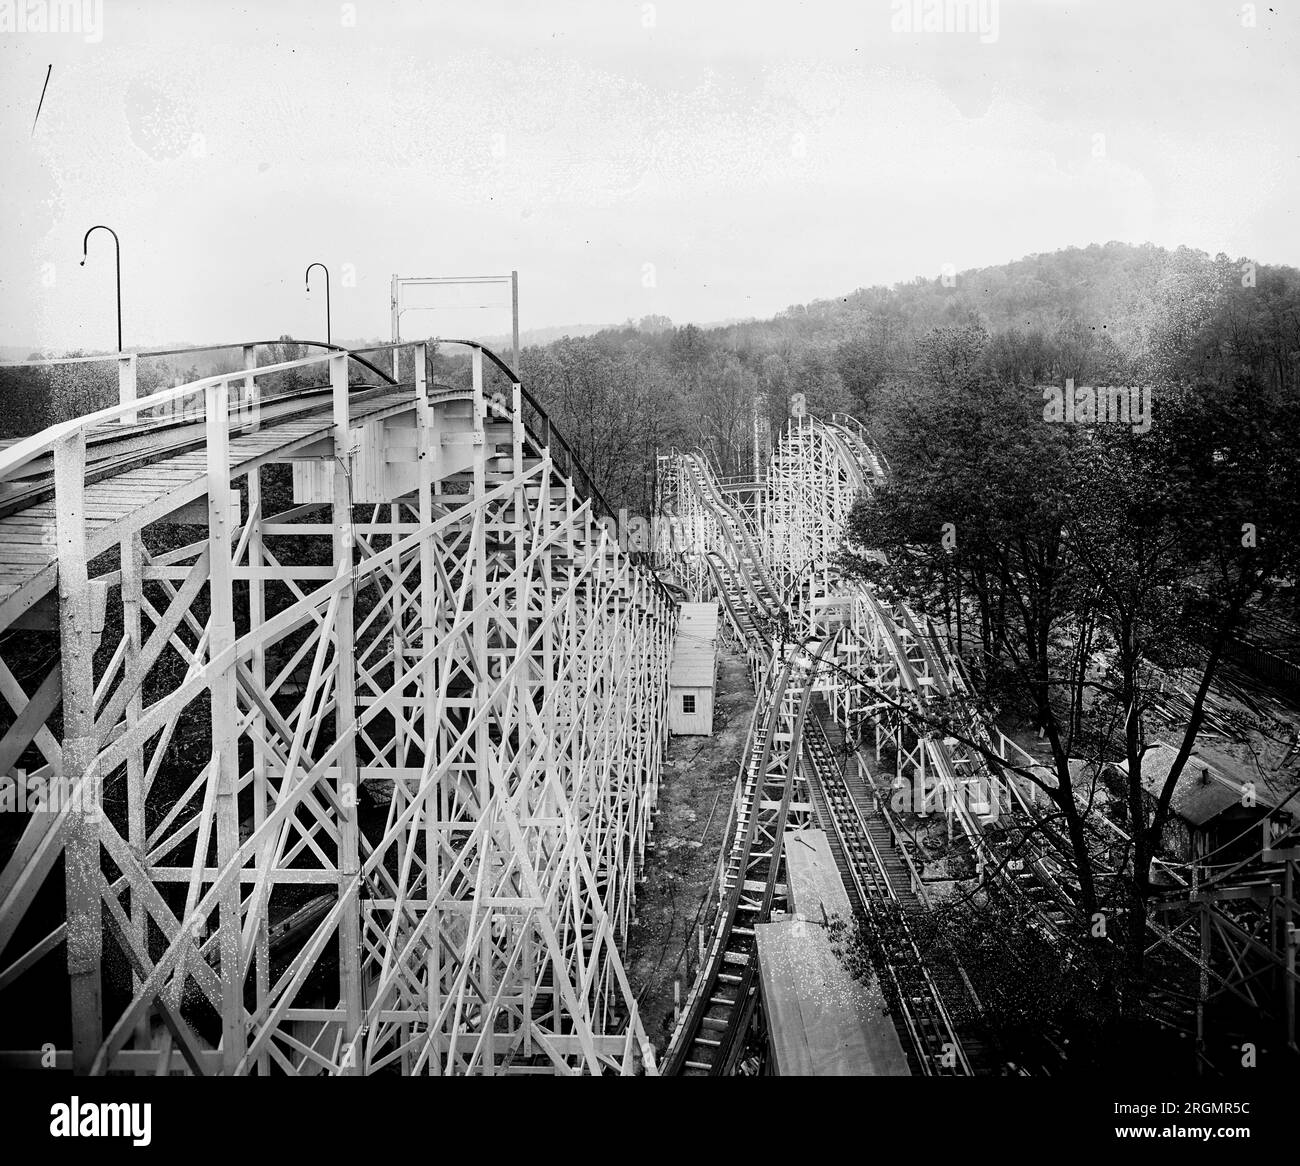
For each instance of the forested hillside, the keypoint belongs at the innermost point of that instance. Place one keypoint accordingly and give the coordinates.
(1107, 314)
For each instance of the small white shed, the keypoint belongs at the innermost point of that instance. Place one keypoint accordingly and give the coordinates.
(694, 668)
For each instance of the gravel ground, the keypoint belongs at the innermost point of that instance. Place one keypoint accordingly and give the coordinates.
(694, 801)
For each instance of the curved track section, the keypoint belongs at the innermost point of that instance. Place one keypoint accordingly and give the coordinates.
(812, 483)
(817, 473)
(904, 660)
(727, 533)
(713, 1019)
(729, 587)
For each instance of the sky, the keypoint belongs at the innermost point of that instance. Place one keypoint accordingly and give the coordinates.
(700, 159)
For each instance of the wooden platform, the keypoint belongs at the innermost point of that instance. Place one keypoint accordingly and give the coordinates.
(821, 1021)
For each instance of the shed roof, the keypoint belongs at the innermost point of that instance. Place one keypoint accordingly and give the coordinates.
(694, 646)
(693, 663)
(821, 1020)
(698, 619)
(1202, 792)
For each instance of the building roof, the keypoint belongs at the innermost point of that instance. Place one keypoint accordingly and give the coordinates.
(814, 887)
(822, 1022)
(698, 619)
(695, 646)
(693, 665)
(1202, 792)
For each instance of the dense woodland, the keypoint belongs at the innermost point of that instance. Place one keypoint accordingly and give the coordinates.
(1110, 314)
(1103, 314)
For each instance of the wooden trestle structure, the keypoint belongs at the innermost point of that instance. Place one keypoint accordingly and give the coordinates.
(430, 694)
(772, 565)
(346, 715)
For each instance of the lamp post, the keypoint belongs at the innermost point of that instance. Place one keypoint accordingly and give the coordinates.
(326, 270)
(117, 247)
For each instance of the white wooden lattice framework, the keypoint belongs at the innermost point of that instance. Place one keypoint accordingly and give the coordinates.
(435, 627)
(810, 493)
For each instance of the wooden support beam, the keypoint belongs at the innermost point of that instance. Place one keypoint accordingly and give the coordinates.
(81, 849)
(499, 627)
(349, 940)
(224, 713)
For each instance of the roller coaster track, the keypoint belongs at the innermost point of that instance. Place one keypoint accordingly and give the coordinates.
(710, 1030)
(1029, 859)
(916, 660)
(918, 654)
(918, 666)
(1035, 862)
(229, 619)
(816, 473)
(914, 997)
(222, 681)
(112, 450)
(1038, 871)
(738, 544)
(729, 587)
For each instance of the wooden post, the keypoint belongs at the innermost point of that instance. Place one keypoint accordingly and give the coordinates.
(81, 857)
(127, 368)
(395, 295)
(257, 667)
(345, 711)
(564, 647)
(132, 598)
(514, 316)
(252, 394)
(224, 716)
(483, 746)
(425, 444)
(522, 600)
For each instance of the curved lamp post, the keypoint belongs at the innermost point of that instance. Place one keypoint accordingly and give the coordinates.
(117, 246)
(326, 270)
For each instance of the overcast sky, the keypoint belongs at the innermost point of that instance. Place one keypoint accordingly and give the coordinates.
(695, 158)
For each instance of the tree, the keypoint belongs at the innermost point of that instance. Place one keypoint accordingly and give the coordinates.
(1071, 540)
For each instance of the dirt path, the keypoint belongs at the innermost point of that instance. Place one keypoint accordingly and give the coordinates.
(698, 780)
